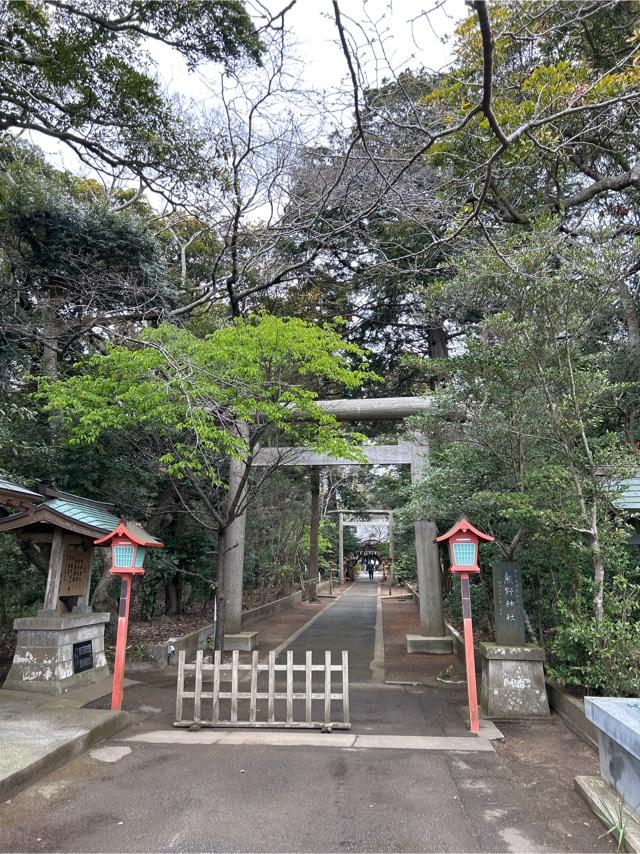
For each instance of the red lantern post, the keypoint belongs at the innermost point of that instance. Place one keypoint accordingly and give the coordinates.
(129, 543)
(463, 541)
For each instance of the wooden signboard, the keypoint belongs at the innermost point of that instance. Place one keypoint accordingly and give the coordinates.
(75, 570)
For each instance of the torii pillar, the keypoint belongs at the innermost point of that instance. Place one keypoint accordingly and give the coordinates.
(434, 638)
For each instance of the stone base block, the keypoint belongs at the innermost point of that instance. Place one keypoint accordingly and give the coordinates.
(44, 658)
(430, 645)
(244, 641)
(513, 682)
(604, 801)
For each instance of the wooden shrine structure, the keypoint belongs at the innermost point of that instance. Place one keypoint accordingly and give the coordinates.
(63, 645)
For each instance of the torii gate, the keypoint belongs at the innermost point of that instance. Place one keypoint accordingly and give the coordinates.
(342, 523)
(414, 454)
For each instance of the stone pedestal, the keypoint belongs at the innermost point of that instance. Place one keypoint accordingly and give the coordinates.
(513, 681)
(243, 641)
(58, 652)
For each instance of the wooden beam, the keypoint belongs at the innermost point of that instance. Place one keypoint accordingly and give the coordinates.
(377, 455)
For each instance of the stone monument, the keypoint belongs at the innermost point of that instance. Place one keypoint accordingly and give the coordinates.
(512, 670)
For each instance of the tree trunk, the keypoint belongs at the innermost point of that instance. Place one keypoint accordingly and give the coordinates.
(219, 597)
(50, 334)
(437, 340)
(598, 570)
(314, 536)
(630, 316)
(437, 346)
(173, 596)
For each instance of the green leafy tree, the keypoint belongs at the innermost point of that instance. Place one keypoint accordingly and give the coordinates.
(211, 401)
(79, 72)
(537, 393)
(71, 265)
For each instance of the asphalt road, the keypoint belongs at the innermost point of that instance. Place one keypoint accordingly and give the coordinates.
(285, 799)
(350, 623)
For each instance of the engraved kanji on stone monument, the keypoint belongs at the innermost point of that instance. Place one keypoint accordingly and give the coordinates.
(507, 599)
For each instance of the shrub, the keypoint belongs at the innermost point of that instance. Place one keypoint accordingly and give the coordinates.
(600, 656)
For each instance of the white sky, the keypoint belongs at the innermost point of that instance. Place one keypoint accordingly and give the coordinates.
(414, 33)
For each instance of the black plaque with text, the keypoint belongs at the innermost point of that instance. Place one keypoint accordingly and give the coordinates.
(507, 601)
(82, 656)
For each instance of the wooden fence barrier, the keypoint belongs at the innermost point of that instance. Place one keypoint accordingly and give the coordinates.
(277, 714)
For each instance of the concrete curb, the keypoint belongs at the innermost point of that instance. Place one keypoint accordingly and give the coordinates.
(377, 664)
(571, 711)
(25, 776)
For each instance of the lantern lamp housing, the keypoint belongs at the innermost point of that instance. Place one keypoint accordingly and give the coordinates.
(129, 543)
(463, 540)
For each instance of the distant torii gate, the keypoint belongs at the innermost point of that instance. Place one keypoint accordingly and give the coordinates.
(354, 523)
(414, 454)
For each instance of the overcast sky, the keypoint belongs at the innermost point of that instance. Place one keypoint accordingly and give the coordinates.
(415, 33)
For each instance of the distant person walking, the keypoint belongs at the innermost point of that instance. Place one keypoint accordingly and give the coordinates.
(370, 568)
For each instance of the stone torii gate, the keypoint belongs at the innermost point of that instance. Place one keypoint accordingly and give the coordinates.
(414, 453)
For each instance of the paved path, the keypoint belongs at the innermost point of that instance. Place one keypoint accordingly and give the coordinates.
(354, 623)
(151, 791)
(350, 623)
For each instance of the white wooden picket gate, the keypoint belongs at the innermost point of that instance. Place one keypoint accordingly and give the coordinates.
(281, 706)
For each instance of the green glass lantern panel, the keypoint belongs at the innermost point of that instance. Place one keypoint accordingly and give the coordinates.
(123, 556)
(140, 557)
(464, 554)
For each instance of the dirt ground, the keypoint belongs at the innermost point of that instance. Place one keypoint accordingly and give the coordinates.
(542, 757)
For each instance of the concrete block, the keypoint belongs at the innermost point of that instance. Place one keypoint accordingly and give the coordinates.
(244, 641)
(617, 720)
(571, 710)
(513, 683)
(429, 645)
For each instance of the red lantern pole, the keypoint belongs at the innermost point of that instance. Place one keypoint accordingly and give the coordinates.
(117, 691)
(128, 544)
(472, 691)
(463, 540)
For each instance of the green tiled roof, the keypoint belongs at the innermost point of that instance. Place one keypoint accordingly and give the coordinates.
(629, 498)
(84, 513)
